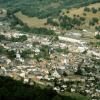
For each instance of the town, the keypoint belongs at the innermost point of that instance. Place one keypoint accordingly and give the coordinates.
(64, 62)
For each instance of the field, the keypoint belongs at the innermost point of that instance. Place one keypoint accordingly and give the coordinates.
(80, 11)
(31, 21)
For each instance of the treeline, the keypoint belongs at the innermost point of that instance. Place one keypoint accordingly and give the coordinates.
(15, 90)
(39, 31)
(21, 38)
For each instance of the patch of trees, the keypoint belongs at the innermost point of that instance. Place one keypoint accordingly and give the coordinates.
(52, 22)
(93, 10)
(19, 39)
(42, 31)
(2, 37)
(26, 53)
(15, 21)
(2, 50)
(96, 61)
(44, 53)
(41, 14)
(39, 31)
(65, 51)
(69, 23)
(11, 54)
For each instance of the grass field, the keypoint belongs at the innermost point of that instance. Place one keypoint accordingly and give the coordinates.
(80, 11)
(31, 21)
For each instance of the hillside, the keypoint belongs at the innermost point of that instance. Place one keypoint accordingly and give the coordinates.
(12, 89)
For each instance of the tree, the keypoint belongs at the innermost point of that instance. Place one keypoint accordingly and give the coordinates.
(91, 23)
(84, 14)
(86, 9)
(94, 10)
(95, 19)
(97, 36)
(2, 37)
(2, 50)
(11, 54)
(82, 18)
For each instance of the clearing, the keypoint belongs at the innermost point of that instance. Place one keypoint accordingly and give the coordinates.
(31, 21)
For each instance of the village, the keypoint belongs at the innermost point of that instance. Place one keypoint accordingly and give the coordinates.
(63, 62)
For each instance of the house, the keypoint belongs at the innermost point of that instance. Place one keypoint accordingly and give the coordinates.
(22, 74)
(96, 33)
(56, 74)
(3, 14)
(69, 39)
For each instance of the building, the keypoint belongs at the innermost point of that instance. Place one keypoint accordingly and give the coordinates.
(3, 14)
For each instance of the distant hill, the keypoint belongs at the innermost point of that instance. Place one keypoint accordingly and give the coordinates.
(42, 8)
